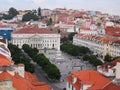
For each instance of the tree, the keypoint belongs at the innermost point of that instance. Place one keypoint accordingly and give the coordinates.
(73, 49)
(14, 49)
(53, 72)
(92, 59)
(108, 58)
(35, 51)
(7, 16)
(39, 12)
(30, 16)
(64, 39)
(70, 36)
(86, 57)
(19, 57)
(12, 11)
(30, 67)
(49, 21)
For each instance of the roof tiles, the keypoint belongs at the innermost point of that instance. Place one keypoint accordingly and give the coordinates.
(31, 30)
(90, 77)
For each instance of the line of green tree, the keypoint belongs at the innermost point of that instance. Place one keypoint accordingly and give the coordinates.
(50, 69)
(19, 57)
(80, 51)
(92, 59)
(73, 49)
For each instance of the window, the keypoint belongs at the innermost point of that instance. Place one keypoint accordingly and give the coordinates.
(69, 85)
(72, 88)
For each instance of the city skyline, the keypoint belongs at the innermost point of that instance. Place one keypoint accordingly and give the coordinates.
(106, 6)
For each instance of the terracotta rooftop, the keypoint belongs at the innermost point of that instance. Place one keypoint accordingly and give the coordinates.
(5, 75)
(2, 25)
(110, 64)
(30, 30)
(3, 41)
(84, 28)
(4, 61)
(90, 77)
(102, 39)
(27, 83)
(69, 23)
(112, 31)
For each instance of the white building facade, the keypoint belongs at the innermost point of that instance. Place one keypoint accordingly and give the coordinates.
(99, 45)
(67, 26)
(37, 38)
(110, 68)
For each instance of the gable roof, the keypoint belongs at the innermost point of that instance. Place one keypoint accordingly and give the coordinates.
(20, 83)
(4, 61)
(29, 82)
(89, 77)
(5, 75)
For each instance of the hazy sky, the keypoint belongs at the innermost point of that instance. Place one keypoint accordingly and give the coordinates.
(110, 6)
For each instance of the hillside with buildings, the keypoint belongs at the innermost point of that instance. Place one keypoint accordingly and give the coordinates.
(46, 30)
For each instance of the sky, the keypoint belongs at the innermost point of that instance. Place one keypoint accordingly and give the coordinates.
(109, 6)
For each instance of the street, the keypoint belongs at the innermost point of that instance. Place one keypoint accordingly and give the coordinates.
(41, 77)
(66, 63)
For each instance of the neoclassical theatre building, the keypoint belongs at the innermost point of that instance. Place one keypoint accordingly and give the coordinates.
(39, 38)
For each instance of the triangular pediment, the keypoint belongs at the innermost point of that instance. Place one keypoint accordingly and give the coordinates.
(35, 36)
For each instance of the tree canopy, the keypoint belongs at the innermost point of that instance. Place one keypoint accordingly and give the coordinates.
(50, 69)
(107, 58)
(70, 36)
(49, 21)
(92, 59)
(30, 16)
(19, 57)
(73, 49)
(13, 12)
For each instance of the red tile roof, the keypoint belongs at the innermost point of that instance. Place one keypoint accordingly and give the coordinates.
(30, 30)
(84, 28)
(2, 25)
(4, 61)
(21, 83)
(5, 75)
(102, 39)
(110, 64)
(69, 23)
(15, 22)
(27, 83)
(78, 15)
(114, 62)
(112, 31)
(94, 78)
(3, 41)
(111, 86)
